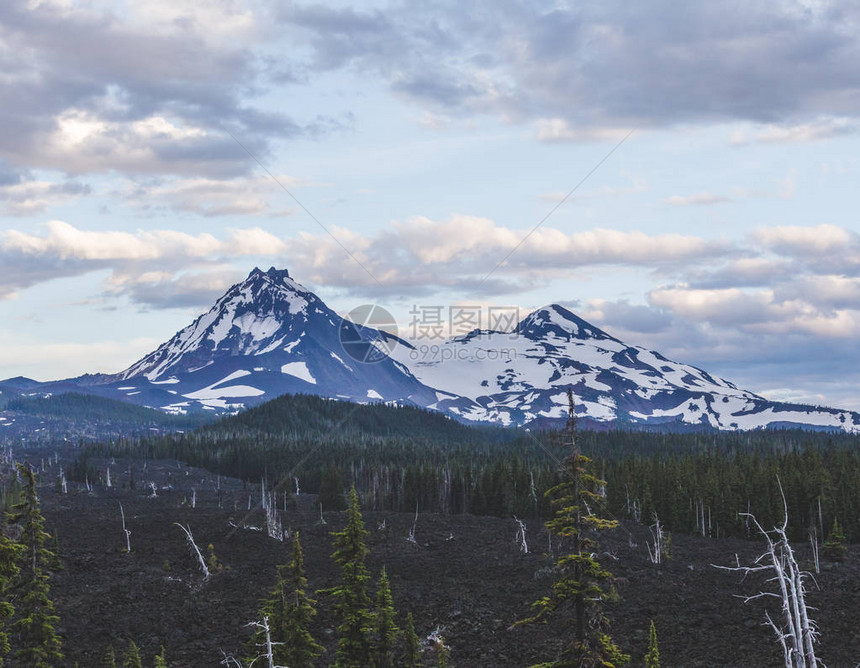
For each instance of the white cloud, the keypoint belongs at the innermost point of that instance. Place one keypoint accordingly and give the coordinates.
(458, 251)
(212, 21)
(172, 289)
(560, 130)
(66, 242)
(84, 141)
(725, 306)
(28, 198)
(481, 240)
(797, 240)
(702, 198)
(135, 258)
(63, 241)
(758, 311)
(246, 196)
(779, 285)
(147, 88)
(786, 133)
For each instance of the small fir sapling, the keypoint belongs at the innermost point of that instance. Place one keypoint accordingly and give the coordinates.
(652, 658)
(836, 546)
(132, 656)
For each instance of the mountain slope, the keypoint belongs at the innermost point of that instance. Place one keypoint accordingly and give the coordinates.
(268, 336)
(521, 377)
(265, 337)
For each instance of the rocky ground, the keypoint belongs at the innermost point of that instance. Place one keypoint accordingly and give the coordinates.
(464, 575)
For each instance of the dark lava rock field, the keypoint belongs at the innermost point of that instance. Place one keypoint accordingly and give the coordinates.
(463, 575)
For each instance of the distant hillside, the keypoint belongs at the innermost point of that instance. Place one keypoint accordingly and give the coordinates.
(305, 416)
(91, 408)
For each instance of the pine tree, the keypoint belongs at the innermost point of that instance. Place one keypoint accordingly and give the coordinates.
(442, 652)
(385, 629)
(579, 591)
(652, 658)
(835, 547)
(132, 656)
(160, 659)
(290, 611)
(36, 638)
(412, 658)
(353, 604)
(10, 554)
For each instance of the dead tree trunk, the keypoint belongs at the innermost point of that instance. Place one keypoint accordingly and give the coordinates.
(195, 550)
(798, 634)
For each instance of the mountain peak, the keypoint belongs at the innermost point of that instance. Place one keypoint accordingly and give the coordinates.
(273, 273)
(554, 319)
(265, 311)
(274, 276)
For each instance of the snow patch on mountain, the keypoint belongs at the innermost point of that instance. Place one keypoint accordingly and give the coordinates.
(299, 370)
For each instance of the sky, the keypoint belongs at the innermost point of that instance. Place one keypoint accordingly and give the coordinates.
(682, 175)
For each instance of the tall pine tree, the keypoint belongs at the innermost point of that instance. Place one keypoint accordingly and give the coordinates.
(10, 555)
(385, 629)
(36, 640)
(290, 611)
(353, 604)
(412, 644)
(580, 590)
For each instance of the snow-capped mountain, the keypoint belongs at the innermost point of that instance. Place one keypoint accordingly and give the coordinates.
(266, 336)
(521, 377)
(269, 336)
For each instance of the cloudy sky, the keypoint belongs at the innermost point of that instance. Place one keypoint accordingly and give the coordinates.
(153, 152)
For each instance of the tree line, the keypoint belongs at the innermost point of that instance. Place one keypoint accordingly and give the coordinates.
(695, 483)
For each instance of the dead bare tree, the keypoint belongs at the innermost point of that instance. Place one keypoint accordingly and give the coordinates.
(411, 536)
(798, 634)
(274, 525)
(195, 550)
(229, 660)
(813, 543)
(521, 535)
(659, 536)
(125, 531)
(267, 644)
